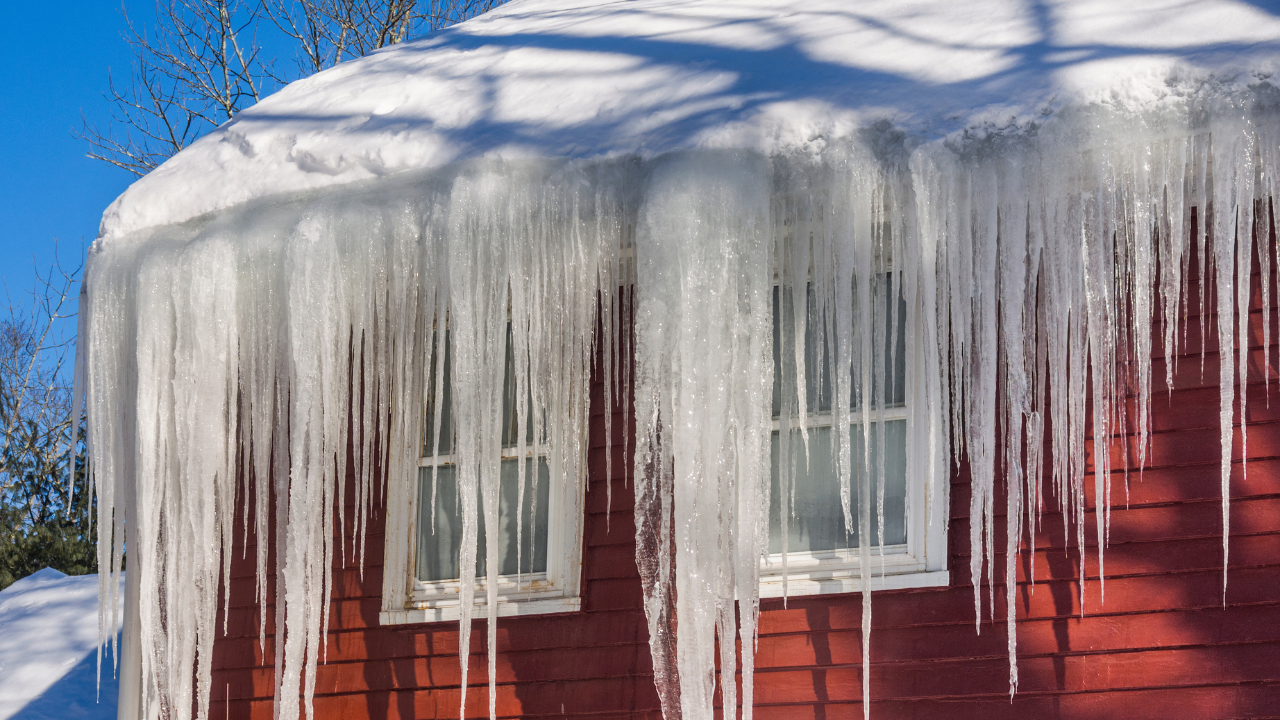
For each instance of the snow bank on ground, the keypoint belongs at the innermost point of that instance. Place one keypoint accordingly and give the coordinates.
(572, 78)
(48, 642)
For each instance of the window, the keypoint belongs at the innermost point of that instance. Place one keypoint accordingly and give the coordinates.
(820, 556)
(545, 521)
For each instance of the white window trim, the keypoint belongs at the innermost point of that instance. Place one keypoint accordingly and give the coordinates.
(919, 563)
(557, 590)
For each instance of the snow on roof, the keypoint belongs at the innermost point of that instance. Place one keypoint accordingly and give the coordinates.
(48, 639)
(571, 78)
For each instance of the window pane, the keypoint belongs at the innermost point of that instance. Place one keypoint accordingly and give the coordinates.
(438, 552)
(509, 426)
(446, 404)
(818, 355)
(818, 521)
(510, 430)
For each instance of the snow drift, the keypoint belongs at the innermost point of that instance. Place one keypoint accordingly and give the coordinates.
(1029, 184)
(48, 634)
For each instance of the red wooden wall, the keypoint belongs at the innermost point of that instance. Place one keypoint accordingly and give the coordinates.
(1162, 645)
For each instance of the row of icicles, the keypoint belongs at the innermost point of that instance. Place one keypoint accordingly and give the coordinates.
(225, 364)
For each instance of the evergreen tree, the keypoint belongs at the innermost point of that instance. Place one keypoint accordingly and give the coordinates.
(41, 529)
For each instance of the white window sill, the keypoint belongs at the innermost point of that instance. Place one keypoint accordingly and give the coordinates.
(451, 610)
(824, 583)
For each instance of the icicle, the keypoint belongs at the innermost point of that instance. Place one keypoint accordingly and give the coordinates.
(704, 361)
(297, 315)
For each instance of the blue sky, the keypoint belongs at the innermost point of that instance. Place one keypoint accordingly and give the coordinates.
(55, 58)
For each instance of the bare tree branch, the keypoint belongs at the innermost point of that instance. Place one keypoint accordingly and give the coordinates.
(327, 32)
(202, 63)
(46, 516)
(36, 428)
(193, 71)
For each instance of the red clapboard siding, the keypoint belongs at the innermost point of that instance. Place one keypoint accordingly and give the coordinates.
(1163, 641)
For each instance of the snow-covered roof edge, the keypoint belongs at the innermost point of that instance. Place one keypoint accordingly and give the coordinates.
(559, 78)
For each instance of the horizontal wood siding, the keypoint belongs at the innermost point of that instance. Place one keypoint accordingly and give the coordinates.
(1162, 644)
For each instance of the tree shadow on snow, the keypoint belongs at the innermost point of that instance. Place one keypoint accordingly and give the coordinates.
(76, 694)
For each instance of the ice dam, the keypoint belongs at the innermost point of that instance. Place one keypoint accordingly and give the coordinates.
(651, 182)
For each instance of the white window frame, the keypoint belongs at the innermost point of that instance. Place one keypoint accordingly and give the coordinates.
(921, 562)
(558, 590)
